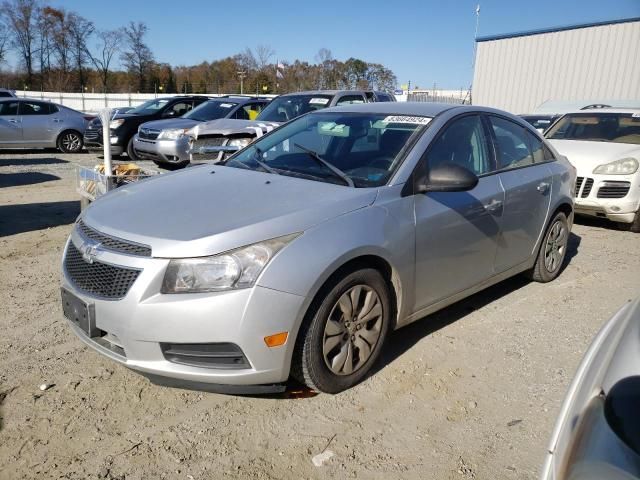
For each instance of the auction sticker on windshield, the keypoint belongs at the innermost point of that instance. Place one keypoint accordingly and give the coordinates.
(226, 105)
(406, 119)
(319, 101)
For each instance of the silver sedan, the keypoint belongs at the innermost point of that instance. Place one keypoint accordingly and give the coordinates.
(300, 253)
(30, 123)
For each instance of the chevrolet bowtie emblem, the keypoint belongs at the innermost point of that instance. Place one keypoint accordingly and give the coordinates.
(90, 250)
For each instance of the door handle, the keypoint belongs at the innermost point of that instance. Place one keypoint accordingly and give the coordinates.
(493, 206)
(13, 120)
(543, 187)
(57, 120)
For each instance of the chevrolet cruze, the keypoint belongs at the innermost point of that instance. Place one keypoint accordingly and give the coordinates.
(300, 253)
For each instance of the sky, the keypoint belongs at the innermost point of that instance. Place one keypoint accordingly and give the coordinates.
(426, 42)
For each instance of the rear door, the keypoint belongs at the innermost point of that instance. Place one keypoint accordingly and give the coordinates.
(457, 232)
(10, 126)
(527, 182)
(37, 122)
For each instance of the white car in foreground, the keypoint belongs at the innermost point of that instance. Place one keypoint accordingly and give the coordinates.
(604, 146)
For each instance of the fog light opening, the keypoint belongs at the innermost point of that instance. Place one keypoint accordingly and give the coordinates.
(276, 340)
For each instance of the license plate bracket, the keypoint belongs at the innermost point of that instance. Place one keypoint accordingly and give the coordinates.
(80, 313)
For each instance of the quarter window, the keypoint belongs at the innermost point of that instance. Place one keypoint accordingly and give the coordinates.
(539, 150)
(512, 144)
(463, 142)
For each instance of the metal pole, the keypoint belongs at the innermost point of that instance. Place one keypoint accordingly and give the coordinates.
(105, 116)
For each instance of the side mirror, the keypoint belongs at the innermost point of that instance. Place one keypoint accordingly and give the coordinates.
(621, 411)
(448, 177)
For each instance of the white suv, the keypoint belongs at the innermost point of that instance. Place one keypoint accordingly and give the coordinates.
(604, 146)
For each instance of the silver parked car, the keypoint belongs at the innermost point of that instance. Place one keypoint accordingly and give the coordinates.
(597, 435)
(27, 123)
(301, 252)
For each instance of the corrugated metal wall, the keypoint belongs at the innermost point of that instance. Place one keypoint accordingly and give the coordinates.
(519, 73)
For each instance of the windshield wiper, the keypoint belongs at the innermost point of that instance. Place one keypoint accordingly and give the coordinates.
(335, 170)
(257, 153)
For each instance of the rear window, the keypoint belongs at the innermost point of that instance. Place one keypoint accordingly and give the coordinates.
(285, 108)
(598, 127)
(211, 110)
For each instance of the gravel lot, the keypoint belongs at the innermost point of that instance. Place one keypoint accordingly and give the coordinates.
(470, 392)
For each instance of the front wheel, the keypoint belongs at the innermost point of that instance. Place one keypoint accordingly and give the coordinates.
(70, 142)
(633, 226)
(552, 251)
(131, 152)
(343, 333)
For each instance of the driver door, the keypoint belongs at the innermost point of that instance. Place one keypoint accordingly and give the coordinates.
(457, 232)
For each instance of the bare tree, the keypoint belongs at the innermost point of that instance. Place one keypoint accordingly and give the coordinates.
(79, 31)
(248, 60)
(54, 38)
(4, 42)
(263, 55)
(21, 19)
(107, 48)
(138, 56)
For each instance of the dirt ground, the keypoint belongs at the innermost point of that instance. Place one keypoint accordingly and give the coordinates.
(471, 392)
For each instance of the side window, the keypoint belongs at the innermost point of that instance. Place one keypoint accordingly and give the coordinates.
(462, 142)
(349, 99)
(180, 108)
(248, 111)
(369, 142)
(512, 144)
(370, 96)
(53, 108)
(540, 151)
(34, 108)
(8, 108)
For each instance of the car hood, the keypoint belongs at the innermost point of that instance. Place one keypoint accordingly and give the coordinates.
(170, 123)
(586, 155)
(211, 209)
(230, 126)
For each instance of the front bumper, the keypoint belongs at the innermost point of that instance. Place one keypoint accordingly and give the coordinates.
(607, 196)
(145, 319)
(93, 142)
(166, 151)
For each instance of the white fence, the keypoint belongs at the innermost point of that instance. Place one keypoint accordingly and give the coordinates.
(93, 102)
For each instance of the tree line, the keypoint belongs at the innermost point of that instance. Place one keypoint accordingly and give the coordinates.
(60, 50)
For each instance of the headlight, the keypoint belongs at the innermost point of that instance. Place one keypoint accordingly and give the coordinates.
(172, 134)
(113, 124)
(624, 166)
(232, 270)
(239, 142)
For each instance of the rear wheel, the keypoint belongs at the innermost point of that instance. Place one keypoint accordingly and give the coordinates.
(344, 333)
(552, 251)
(70, 141)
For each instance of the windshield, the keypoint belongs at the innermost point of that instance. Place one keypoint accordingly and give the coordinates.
(211, 110)
(597, 127)
(285, 108)
(150, 107)
(354, 149)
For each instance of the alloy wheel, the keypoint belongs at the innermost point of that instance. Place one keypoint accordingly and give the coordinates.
(352, 330)
(71, 142)
(555, 247)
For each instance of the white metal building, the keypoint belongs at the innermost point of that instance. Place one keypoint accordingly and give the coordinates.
(597, 63)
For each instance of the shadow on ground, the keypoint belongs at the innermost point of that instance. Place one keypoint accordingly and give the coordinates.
(25, 162)
(597, 222)
(36, 216)
(25, 178)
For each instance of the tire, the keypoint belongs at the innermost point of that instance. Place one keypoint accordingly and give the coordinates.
(171, 166)
(553, 250)
(131, 153)
(70, 141)
(335, 351)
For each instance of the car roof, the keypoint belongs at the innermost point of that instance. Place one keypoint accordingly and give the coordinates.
(606, 110)
(323, 92)
(427, 109)
(239, 99)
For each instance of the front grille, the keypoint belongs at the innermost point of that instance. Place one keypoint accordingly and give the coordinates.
(588, 185)
(99, 279)
(614, 190)
(92, 134)
(579, 181)
(114, 244)
(207, 355)
(208, 142)
(148, 134)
